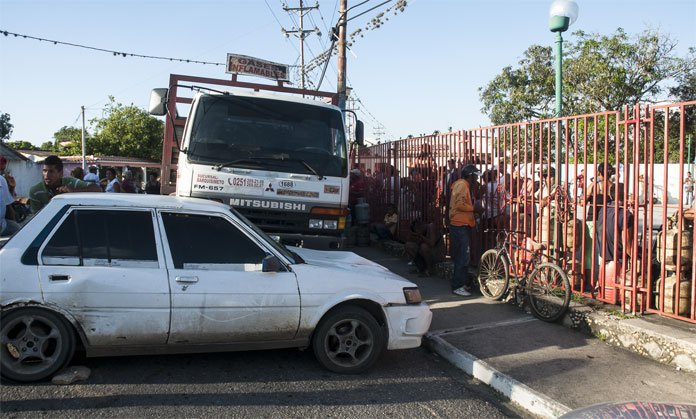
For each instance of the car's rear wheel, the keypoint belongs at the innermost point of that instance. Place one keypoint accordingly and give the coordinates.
(34, 344)
(349, 340)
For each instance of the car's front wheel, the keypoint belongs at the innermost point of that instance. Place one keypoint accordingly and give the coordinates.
(34, 344)
(349, 340)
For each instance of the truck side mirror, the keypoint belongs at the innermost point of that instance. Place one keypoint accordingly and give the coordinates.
(158, 101)
(360, 133)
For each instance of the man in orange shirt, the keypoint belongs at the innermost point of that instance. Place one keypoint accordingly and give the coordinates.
(462, 222)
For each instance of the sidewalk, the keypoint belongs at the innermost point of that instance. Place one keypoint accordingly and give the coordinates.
(549, 369)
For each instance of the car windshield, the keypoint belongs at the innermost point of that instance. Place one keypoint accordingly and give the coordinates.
(251, 132)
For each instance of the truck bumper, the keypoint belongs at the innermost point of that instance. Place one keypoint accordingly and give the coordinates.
(312, 242)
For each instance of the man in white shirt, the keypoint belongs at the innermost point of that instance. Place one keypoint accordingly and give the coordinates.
(92, 176)
(7, 227)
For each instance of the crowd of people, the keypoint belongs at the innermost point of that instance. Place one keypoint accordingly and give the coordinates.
(459, 202)
(54, 183)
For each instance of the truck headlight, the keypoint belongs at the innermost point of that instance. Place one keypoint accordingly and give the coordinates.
(314, 223)
(331, 224)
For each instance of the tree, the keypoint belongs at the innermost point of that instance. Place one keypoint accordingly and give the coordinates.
(523, 93)
(21, 145)
(47, 146)
(68, 141)
(5, 126)
(126, 131)
(600, 73)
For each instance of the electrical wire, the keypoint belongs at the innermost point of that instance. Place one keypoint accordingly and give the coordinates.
(115, 53)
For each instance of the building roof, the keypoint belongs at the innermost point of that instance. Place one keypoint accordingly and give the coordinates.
(40, 155)
(11, 154)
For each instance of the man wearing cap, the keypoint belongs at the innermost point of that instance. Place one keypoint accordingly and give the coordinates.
(54, 183)
(462, 222)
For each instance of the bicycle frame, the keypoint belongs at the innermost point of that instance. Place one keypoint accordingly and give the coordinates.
(502, 247)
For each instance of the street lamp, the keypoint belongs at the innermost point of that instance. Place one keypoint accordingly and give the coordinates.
(562, 14)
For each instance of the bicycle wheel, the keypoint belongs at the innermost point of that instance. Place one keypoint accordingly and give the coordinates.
(493, 274)
(549, 292)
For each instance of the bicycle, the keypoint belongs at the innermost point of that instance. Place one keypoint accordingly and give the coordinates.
(544, 283)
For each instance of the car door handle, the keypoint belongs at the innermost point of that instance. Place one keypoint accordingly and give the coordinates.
(187, 279)
(59, 277)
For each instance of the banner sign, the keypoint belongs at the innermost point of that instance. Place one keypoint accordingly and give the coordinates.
(241, 64)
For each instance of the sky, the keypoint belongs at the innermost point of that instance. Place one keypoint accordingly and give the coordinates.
(420, 71)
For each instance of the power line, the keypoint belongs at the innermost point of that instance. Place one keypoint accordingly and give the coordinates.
(115, 53)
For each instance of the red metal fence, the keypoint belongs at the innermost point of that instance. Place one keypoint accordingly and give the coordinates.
(622, 182)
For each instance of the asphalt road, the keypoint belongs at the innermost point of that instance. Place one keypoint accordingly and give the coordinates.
(284, 383)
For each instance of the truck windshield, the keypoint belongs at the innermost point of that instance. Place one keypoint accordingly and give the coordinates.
(251, 132)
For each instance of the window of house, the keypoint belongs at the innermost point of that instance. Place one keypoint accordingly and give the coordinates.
(104, 238)
(210, 242)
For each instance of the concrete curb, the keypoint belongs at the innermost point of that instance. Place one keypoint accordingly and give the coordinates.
(646, 339)
(520, 394)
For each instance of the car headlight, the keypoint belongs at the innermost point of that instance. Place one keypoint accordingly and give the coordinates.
(314, 223)
(412, 295)
(331, 224)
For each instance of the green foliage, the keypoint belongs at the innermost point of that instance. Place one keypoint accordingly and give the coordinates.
(68, 141)
(523, 93)
(47, 146)
(5, 126)
(21, 145)
(600, 73)
(126, 131)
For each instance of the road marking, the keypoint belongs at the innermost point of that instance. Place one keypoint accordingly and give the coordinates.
(483, 326)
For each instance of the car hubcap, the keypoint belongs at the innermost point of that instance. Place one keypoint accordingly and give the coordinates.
(349, 342)
(29, 344)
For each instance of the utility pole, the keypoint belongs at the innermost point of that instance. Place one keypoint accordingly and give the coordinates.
(301, 33)
(378, 131)
(84, 143)
(342, 54)
(350, 106)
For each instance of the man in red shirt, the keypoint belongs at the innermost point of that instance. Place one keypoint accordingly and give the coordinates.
(462, 222)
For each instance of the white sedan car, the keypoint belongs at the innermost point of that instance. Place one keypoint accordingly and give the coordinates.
(121, 274)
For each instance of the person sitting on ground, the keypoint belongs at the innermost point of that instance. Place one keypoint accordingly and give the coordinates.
(92, 176)
(387, 230)
(55, 183)
(424, 246)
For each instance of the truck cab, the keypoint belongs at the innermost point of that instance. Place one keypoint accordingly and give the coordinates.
(279, 159)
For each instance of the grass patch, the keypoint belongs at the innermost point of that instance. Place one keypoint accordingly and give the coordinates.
(621, 315)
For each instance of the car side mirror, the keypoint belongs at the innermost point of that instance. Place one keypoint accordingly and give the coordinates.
(271, 263)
